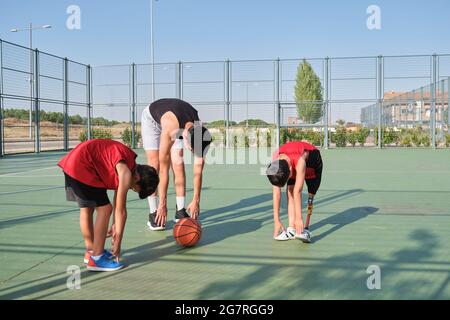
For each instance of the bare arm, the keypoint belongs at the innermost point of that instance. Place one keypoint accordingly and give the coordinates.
(276, 191)
(194, 206)
(120, 210)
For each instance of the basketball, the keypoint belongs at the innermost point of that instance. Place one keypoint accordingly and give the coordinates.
(187, 232)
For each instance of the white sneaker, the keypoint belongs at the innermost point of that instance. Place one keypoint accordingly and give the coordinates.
(282, 237)
(305, 236)
(290, 232)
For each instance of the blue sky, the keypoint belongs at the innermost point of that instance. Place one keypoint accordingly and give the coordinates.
(115, 32)
(118, 32)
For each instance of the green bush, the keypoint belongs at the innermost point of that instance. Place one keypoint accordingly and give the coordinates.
(269, 138)
(313, 137)
(224, 136)
(97, 133)
(362, 134)
(447, 140)
(83, 136)
(416, 137)
(284, 136)
(340, 137)
(258, 133)
(405, 141)
(253, 123)
(426, 141)
(352, 138)
(246, 138)
(390, 136)
(127, 137)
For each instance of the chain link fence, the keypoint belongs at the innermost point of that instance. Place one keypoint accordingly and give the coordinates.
(51, 103)
(44, 100)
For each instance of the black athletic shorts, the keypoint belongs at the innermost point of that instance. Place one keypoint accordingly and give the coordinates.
(315, 161)
(86, 196)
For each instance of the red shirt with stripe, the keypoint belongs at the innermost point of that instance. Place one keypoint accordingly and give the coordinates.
(294, 151)
(94, 162)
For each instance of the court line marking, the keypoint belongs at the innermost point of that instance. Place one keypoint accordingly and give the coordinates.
(34, 170)
(40, 263)
(40, 176)
(29, 190)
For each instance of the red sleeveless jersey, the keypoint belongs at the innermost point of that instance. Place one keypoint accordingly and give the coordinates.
(94, 162)
(294, 150)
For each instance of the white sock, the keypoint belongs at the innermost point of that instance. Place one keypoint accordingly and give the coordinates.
(96, 258)
(181, 202)
(153, 203)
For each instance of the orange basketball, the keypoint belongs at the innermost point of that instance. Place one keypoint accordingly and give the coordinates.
(187, 232)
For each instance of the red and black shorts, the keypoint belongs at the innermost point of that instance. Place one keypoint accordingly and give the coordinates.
(86, 196)
(314, 161)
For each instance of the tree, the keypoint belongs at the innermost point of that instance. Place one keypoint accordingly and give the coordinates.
(308, 94)
(254, 123)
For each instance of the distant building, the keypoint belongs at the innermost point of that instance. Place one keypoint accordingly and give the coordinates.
(407, 110)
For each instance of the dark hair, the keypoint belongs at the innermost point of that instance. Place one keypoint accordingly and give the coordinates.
(278, 173)
(199, 143)
(149, 180)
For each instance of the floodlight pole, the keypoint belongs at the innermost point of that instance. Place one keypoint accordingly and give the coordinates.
(152, 50)
(30, 29)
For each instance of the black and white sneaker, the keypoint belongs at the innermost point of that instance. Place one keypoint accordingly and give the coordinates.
(152, 224)
(181, 214)
(305, 236)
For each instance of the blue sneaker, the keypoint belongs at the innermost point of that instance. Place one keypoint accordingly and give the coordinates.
(104, 264)
(108, 254)
(87, 254)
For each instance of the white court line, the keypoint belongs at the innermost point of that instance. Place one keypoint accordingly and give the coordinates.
(16, 173)
(29, 190)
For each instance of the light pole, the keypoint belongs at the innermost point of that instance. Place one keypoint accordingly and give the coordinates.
(30, 29)
(152, 50)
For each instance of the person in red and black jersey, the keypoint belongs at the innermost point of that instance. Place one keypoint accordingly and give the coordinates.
(294, 164)
(91, 169)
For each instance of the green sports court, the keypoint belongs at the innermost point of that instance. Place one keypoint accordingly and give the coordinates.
(385, 208)
(365, 84)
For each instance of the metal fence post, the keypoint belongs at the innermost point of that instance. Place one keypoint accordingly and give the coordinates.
(37, 110)
(442, 109)
(89, 100)
(277, 98)
(433, 100)
(1, 99)
(326, 98)
(448, 105)
(380, 98)
(179, 80)
(227, 81)
(66, 102)
(133, 104)
(422, 105)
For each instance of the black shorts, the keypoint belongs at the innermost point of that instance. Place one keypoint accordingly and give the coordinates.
(86, 196)
(312, 184)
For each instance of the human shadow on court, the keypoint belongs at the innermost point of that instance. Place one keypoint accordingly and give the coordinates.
(340, 220)
(215, 228)
(147, 253)
(235, 210)
(342, 276)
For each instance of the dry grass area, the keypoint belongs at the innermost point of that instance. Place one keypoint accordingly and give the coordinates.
(19, 129)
